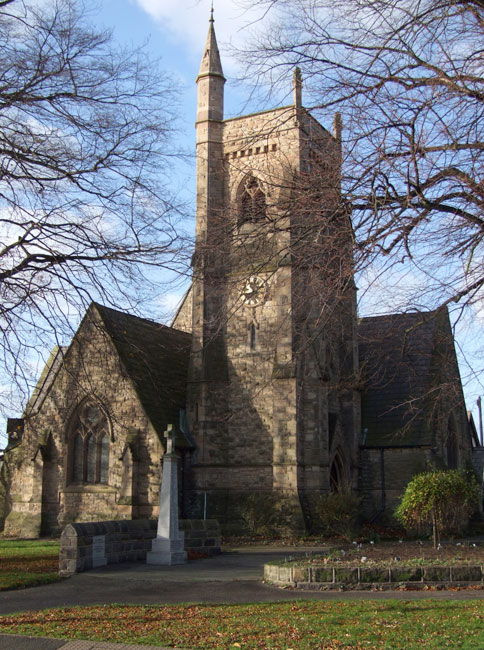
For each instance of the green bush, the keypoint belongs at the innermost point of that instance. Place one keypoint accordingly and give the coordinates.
(260, 514)
(443, 500)
(336, 514)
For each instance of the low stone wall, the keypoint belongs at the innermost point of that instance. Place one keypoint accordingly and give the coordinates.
(89, 545)
(327, 577)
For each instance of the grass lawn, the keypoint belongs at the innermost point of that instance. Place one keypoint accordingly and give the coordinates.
(25, 563)
(300, 625)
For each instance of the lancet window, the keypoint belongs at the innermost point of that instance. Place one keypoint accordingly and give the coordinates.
(337, 474)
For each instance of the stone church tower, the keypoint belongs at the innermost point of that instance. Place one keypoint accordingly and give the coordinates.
(272, 405)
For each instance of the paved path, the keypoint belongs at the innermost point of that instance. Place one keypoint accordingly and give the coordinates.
(13, 642)
(230, 578)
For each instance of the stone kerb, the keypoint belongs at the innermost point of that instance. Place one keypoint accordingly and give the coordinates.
(82, 545)
(357, 578)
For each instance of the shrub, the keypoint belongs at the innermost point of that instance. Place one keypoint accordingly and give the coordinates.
(260, 514)
(444, 500)
(336, 514)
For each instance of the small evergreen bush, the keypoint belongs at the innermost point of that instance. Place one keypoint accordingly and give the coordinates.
(336, 514)
(260, 514)
(442, 499)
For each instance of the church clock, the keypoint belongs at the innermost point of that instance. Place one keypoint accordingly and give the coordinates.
(254, 291)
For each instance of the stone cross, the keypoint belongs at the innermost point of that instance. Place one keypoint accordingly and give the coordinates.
(170, 436)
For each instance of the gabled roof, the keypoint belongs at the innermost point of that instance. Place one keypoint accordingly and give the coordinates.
(155, 358)
(475, 440)
(45, 381)
(397, 357)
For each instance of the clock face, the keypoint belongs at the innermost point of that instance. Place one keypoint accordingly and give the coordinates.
(254, 291)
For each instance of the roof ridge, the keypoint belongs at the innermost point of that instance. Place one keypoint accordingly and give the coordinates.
(126, 314)
(402, 314)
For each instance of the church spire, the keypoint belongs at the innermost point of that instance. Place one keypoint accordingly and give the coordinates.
(210, 82)
(211, 63)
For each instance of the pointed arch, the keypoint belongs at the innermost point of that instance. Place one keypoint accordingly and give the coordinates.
(88, 439)
(251, 198)
(338, 477)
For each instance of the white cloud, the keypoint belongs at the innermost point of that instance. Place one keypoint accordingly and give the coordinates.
(187, 21)
(394, 289)
(168, 304)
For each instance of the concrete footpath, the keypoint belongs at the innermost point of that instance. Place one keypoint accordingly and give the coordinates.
(234, 577)
(15, 642)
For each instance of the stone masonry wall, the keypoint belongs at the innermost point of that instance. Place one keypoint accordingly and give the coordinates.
(184, 315)
(42, 499)
(128, 541)
(382, 484)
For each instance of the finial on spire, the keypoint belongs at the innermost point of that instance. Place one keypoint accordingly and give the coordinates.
(211, 64)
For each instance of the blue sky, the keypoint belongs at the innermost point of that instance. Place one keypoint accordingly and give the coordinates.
(175, 30)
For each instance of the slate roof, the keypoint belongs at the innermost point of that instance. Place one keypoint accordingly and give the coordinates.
(156, 359)
(397, 354)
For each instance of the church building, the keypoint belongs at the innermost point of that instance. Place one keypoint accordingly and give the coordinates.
(278, 392)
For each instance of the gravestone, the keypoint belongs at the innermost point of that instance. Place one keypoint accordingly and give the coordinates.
(168, 547)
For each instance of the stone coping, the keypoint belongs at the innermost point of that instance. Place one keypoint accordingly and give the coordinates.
(358, 578)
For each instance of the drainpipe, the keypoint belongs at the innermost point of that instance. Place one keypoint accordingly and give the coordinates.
(382, 479)
(382, 486)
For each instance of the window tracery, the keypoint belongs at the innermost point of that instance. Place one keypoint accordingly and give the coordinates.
(252, 201)
(89, 446)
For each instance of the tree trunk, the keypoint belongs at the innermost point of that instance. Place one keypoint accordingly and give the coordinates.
(435, 529)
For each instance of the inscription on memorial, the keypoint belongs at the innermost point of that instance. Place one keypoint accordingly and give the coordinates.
(99, 550)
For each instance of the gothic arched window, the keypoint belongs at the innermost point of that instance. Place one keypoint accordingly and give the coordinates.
(337, 474)
(253, 338)
(88, 445)
(252, 202)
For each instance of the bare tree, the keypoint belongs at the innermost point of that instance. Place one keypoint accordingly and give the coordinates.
(85, 149)
(407, 78)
